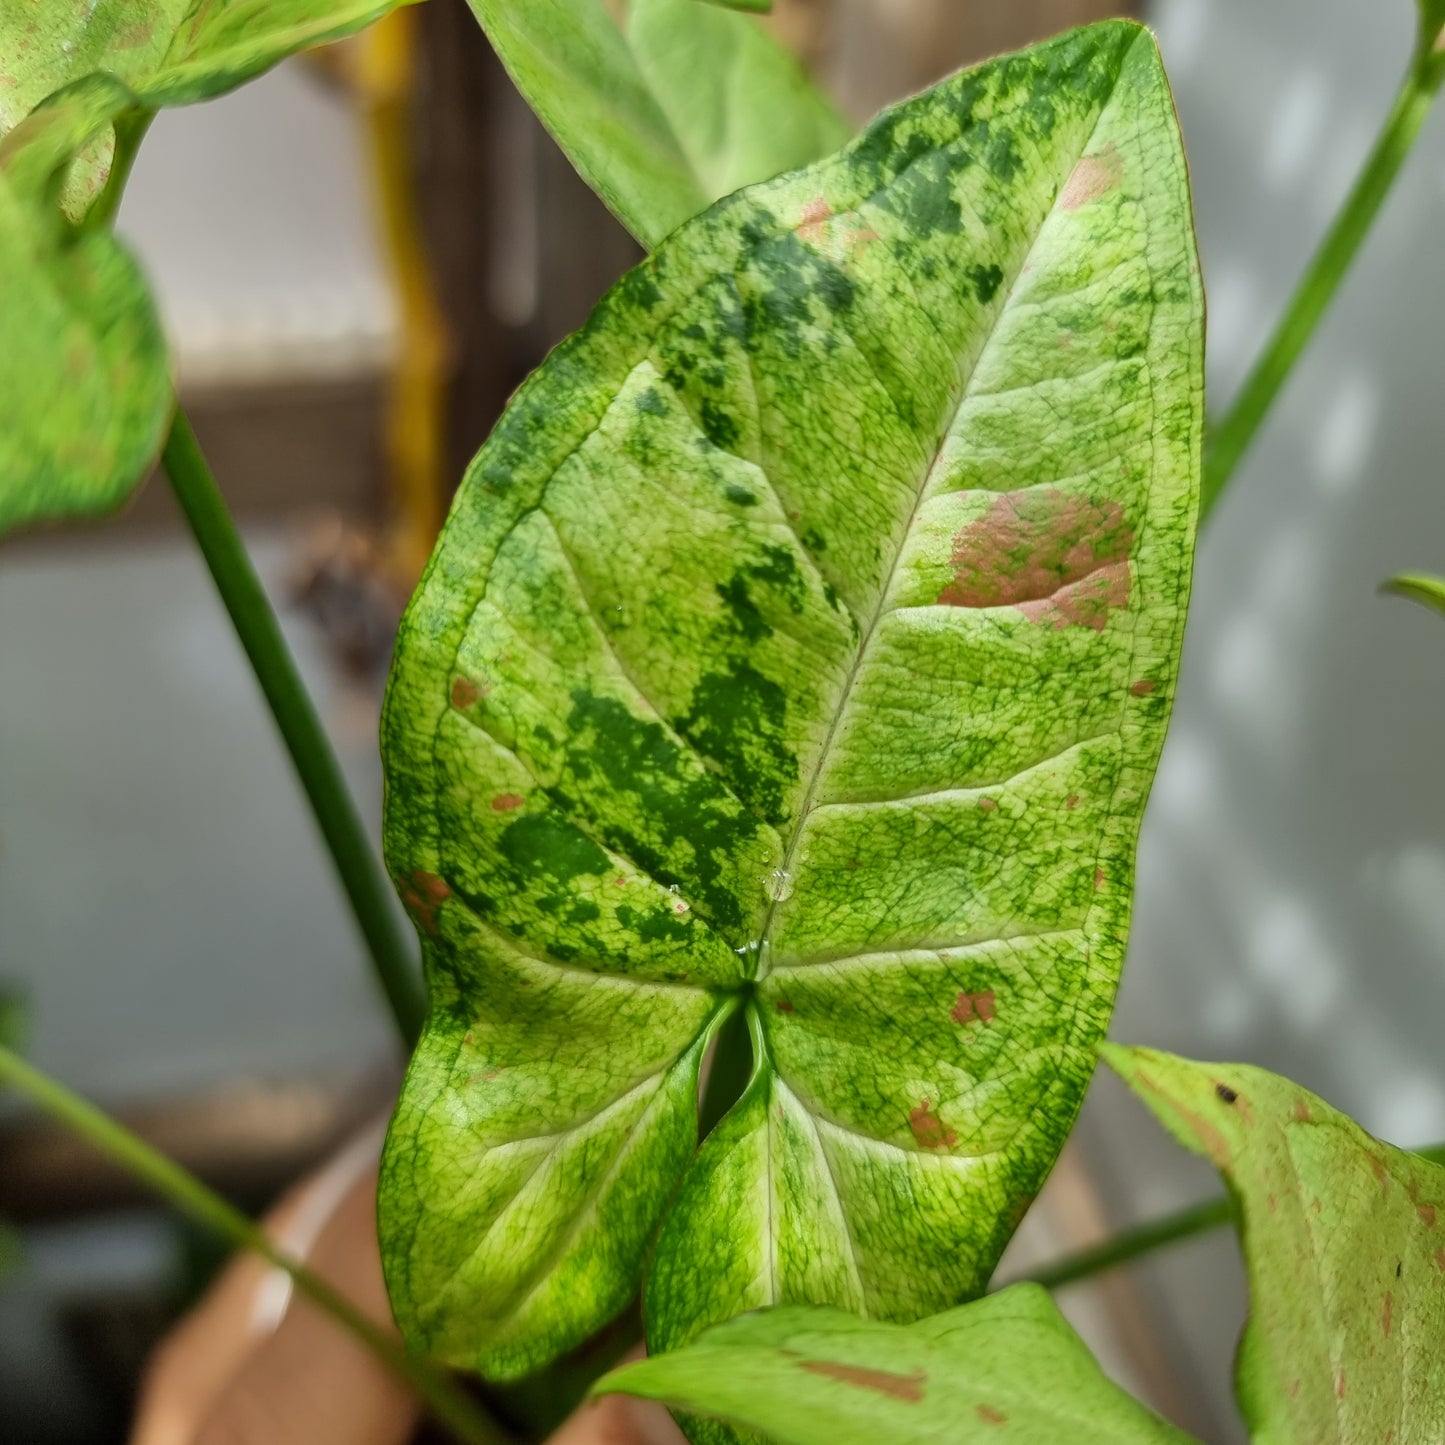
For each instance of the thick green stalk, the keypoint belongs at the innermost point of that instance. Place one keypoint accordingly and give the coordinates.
(311, 752)
(446, 1400)
(1230, 440)
(1156, 1234)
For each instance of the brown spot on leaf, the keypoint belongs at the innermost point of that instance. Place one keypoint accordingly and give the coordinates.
(974, 1008)
(1340, 1386)
(422, 894)
(1301, 1112)
(783, 1006)
(1143, 687)
(507, 802)
(1427, 1214)
(1440, 1260)
(1061, 559)
(465, 693)
(1377, 1168)
(1385, 1314)
(1098, 879)
(929, 1130)
(987, 805)
(1092, 179)
(908, 1388)
(1071, 802)
(989, 1415)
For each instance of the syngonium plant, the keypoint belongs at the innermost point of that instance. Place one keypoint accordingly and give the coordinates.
(779, 707)
(798, 653)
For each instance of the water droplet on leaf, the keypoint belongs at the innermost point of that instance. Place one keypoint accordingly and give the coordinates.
(779, 885)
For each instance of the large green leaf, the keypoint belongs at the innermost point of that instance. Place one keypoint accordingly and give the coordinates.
(686, 104)
(803, 637)
(1344, 1239)
(813, 1376)
(85, 390)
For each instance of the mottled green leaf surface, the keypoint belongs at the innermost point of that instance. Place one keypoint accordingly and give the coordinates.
(803, 639)
(685, 104)
(1006, 1367)
(1427, 591)
(167, 51)
(1344, 1240)
(85, 391)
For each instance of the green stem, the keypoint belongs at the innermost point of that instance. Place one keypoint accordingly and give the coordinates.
(446, 1400)
(1144, 1239)
(1156, 1234)
(130, 129)
(316, 766)
(1230, 440)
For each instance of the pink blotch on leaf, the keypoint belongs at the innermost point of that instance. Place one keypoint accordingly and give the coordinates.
(928, 1129)
(816, 215)
(1092, 179)
(975, 1008)
(1061, 559)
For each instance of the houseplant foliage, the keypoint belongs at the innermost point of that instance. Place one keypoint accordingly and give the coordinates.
(1344, 1239)
(813, 1376)
(1342, 1236)
(789, 678)
(801, 643)
(665, 113)
(85, 393)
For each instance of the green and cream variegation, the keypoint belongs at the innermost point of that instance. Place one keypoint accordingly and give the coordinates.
(801, 642)
(1344, 1240)
(680, 105)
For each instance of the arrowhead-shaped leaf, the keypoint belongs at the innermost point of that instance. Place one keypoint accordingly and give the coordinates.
(684, 105)
(85, 391)
(804, 638)
(812, 1376)
(1344, 1240)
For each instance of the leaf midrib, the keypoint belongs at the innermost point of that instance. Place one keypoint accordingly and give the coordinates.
(965, 393)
